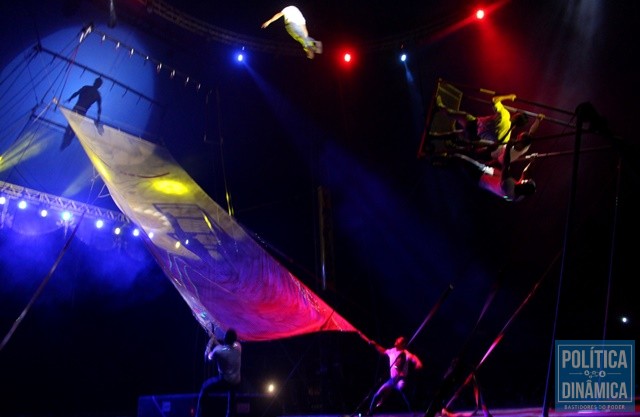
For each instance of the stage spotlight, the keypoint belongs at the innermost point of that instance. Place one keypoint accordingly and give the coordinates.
(66, 216)
(150, 235)
(239, 56)
(3, 200)
(117, 231)
(44, 213)
(22, 204)
(346, 58)
(271, 388)
(480, 14)
(99, 223)
(136, 232)
(403, 57)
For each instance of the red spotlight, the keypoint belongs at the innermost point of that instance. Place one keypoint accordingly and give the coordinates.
(346, 57)
(479, 14)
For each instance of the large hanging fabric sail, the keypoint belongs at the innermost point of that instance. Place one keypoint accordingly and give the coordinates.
(226, 278)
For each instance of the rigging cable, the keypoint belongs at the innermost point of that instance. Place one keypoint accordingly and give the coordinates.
(40, 288)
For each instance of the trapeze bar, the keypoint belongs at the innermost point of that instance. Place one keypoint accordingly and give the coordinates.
(528, 113)
(533, 103)
(548, 154)
(557, 135)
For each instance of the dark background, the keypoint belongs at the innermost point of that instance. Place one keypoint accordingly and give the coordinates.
(108, 327)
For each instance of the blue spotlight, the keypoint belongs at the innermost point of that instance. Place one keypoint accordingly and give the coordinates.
(99, 223)
(403, 57)
(22, 204)
(240, 56)
(3, 200)
(136, 232)
(66, 216)
(117, 231)
(44, 213)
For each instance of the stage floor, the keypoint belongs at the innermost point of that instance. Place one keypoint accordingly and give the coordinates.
(504, 412)
(260, 405)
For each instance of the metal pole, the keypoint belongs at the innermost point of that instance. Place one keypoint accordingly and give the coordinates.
(581, 112)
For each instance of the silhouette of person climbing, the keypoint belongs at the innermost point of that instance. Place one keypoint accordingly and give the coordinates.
(87, 95)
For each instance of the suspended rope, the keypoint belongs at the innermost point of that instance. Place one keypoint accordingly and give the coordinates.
(227, 192)
(614, 231)
(36, 80)
(13, 159)
(40, 288)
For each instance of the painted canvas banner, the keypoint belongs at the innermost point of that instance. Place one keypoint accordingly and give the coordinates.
(226, 277)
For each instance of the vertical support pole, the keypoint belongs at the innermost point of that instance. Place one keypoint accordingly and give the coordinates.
(583, 111)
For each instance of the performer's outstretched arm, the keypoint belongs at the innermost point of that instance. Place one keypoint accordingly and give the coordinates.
(273, 19)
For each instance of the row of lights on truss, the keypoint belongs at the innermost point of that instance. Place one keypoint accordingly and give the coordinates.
(66, 218)
(173, 73)
(346, 56)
